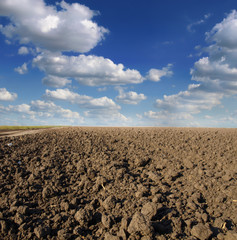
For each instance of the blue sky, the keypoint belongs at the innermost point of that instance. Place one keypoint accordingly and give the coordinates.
(118, 63)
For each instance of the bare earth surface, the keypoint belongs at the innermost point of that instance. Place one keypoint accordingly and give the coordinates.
(119, 183)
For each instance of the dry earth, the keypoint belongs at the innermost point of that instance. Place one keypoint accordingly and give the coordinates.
(119, 183)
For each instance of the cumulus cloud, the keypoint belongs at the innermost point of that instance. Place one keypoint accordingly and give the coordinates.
(54, 81)
(6, 95)
(103, 107)
(22, 69)
(192, 101)
(218, 71)
(43, 25)
(51, 109)
(224, 33)
(87, 70)
(82, 100)
(129, 97)
(216, 75)
(23, 50)
(156, 74)
(43, 110)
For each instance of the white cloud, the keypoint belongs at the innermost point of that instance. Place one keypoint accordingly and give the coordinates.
(102, 89)
(216, 74)
(70, 28)
(164, 115)
(192, 101)
(156, 74)
(49, 108)
(166, 118)
(87, 70)
(104, 117)
(218, 71)
(199, 22)
(40, 111)
(101, 108)
(81, 100)
(224, 34)
(129, 97)
(22, 69)
(6, 95)
(54, 81)
(23, 50)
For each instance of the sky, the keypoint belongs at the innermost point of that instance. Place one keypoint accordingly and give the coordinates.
(163, 63)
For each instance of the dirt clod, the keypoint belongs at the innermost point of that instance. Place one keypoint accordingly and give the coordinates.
(201, 231)
(140, 224)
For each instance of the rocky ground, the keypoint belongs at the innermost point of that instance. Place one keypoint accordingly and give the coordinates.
(119, 183)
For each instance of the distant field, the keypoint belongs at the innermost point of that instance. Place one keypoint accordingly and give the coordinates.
(24, 127)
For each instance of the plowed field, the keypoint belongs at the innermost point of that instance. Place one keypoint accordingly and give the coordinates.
(119, 183)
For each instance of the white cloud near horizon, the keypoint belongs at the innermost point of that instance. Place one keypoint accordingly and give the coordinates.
(216, 75)
(5, 95)
(43, 25)
(130, 97)
(102, 108)
(39, 110)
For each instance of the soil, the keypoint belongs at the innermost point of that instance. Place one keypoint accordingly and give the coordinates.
(19, 132)
(119, 183)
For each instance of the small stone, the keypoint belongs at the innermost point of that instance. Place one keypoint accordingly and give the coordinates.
(204, 217)
(83, 216)
(218, 223)
(149, 210)
(24, 210)
(18, 219)
(139, 223)
(109, 236)
(57, 218)
(63, 235)
(47, 192)
(41, 232)
(81, 168)
(191, 205)
(201, 231)
(109, 203)
(153, 176)
(75, 201)
(106, 221)
(65, 206)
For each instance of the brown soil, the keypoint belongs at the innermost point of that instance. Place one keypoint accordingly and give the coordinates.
(119, 183)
